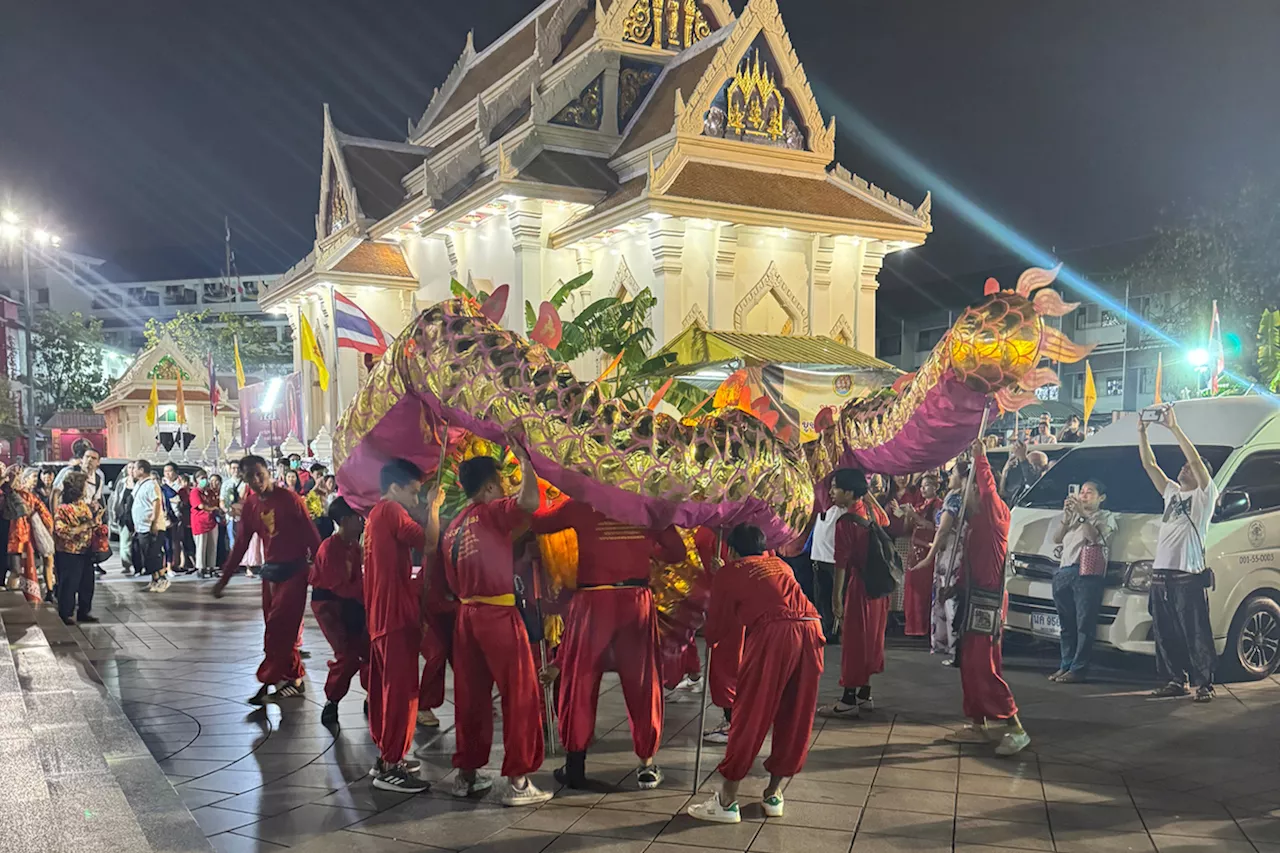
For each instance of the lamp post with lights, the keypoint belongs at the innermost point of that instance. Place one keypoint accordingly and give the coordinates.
(11, 228)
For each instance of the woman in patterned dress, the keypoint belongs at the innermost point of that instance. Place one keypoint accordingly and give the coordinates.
(22, 556)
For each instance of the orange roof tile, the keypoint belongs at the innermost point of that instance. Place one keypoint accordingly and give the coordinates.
(371, 258)
(774, 191)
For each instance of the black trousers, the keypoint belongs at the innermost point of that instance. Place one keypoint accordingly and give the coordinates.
(76, 579)
(149, 559)
(1179, 608)
(824, 582)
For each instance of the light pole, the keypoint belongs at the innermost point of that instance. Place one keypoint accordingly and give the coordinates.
(11, 227)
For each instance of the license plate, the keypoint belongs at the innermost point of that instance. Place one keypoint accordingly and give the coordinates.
(1046, 623)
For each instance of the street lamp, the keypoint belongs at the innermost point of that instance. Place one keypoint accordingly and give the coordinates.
(1198, 357)
(11, 229)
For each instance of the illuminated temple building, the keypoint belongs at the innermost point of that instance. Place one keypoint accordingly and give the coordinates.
(662, 144)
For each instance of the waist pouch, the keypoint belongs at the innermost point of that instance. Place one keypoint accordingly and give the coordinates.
(281, 572)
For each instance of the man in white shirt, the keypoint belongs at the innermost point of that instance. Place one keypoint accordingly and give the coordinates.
(87, 459)
(1179, 598)
(149, 525)
(822, 555)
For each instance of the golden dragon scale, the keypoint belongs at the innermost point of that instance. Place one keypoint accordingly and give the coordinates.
(454, 369)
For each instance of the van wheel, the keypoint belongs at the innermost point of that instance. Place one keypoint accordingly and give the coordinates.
(1253, 646)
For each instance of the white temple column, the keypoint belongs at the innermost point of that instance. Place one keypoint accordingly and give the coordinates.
(720, 305)
(821, 256)
(864, 317)
(525, 220)
(609, 115)
(666, 242)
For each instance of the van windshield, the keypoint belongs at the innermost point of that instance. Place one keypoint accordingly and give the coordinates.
(1120, 469)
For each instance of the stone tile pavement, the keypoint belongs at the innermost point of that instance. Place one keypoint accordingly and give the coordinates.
(1108, 770)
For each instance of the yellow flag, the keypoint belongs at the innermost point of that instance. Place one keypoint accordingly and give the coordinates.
(154, 406)
(1159, 376)
(1090, 393)
(180, 407)
(239, 364)
(311, 351)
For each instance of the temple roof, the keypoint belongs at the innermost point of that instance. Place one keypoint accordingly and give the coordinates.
(698, 346)
(376, 168)
(819, 196)
(372, 258)
(658, 111)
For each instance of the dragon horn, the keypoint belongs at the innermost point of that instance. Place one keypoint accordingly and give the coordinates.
(991, 287)
(1036, 278)
(1048, 303)
(1056, 346)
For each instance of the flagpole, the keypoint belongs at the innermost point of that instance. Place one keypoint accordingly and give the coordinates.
(335, 396)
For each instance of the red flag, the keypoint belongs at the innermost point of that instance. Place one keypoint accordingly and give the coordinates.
(1217, 358)
(215, 396)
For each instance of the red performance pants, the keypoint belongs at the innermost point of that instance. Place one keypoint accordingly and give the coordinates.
(917, 602)
(778, 687)
(862, 634)
(393, 697)
(726, 659)
(490, 646)
(437, 648)
(349, 639)
(282, 607)
(986, 693)
(619, 625)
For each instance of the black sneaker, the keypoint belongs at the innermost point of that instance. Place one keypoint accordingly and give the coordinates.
(99, 569)
(329, 716)
(380, 766)
(649, 777)
(290, 690)
(1173, 688)
(399, 778)
(260, 698)
(88, 620)
(304, 654)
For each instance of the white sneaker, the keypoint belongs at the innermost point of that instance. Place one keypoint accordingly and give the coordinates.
(773, 805)
(720, 734)
(427, 719)
(163, 585)
(1013, 743)
(969, 733)
(529, 795)
(463, 789)
(712, 810)
(690, 685)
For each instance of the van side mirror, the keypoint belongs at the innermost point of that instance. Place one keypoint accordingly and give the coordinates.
(1233, 503)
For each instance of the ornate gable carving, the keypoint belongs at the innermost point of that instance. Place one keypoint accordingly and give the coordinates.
(585, 110)
(167, 368)
(663, 24)
(842, 332)
(752, 108)
(339, 206)
(760, 25)
(771, 283)
(625, 286)
(338, 213)
(696, 317)
(635, 79)
(546, 106)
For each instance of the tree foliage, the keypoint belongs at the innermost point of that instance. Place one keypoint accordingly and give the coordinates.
(68, 370)
(198, 334)
(1229, 253)
(10, 423)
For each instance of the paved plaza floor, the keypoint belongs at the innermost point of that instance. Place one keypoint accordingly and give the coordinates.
(1108, 769)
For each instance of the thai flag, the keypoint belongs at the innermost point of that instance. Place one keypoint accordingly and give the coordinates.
(355, 330)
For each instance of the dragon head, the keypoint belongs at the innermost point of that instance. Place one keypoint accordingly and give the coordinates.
(996, 347)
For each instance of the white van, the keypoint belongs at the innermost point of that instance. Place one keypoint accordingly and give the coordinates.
(1240, 438)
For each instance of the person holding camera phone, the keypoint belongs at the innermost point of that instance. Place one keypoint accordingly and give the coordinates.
(1179, 597)
(1082, 532)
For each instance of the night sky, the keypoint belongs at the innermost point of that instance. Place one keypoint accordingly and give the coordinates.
(135, 126)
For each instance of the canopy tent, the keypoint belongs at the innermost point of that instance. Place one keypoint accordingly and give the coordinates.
(789, 378)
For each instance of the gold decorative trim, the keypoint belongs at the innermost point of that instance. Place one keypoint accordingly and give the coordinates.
(771, 282)
(761, 17)
(662, 24)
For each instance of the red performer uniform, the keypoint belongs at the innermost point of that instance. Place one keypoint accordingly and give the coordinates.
(781, 663)
(917, 586)
(611, 617)
(392, 604)
(337, 600)
(986, 693)
(726, 652)
(864, 620)
(437, 632)
(490, 643)
(288, 537)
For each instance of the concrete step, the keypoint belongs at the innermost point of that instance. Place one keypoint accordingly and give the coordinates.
(75, 774)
